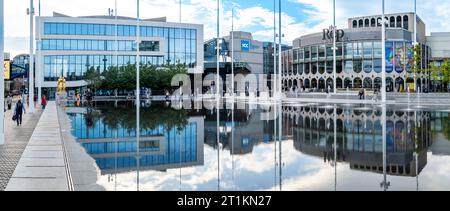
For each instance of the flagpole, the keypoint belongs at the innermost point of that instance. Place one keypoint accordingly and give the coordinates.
(218, 51)
(275, 75)
(232, 51)
(2, 77)
(383, 46)
(31, 70)
(334, 48)
(279, 51)
(138, 92)
(415, 43)
(39, 69)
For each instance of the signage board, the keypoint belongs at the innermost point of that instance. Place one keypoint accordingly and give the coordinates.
(7, 69)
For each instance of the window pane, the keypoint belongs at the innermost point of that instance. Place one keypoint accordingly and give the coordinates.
(80, 45)
(53, 28)
(96, 29)
(348, 66)
(314, 52)
(377, 65)
(357, 66)
(73, 29)
(59, 45)
(91, 29)
(66, 44)
(322, 51)
(126, 31)
(368, 50)
(53, 45)
(47, 28)
(66, 29)
(103, 30)
(121, 31)
(60, 28)
(84, 29)
(367, 66)
(45, 45)
(133, 30)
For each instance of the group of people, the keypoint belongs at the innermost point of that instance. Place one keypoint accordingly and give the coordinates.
(20, 108)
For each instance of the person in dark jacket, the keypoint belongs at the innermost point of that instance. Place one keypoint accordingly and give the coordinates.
(19, 110)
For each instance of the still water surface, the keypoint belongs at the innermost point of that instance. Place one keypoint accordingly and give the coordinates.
(321, 147)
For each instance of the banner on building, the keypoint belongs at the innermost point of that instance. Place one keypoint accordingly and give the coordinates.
(399, 58)
(389, 57)
(410, 56)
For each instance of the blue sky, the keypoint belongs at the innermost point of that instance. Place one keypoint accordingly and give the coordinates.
(300, 17)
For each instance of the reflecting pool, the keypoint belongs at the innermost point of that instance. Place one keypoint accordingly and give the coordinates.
(250, 146)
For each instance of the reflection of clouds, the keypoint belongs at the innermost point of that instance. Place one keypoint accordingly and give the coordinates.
(257, 171)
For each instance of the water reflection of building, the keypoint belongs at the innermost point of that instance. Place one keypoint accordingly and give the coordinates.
(241, 135)
(160, 148)
(441, 127)
(359, 137)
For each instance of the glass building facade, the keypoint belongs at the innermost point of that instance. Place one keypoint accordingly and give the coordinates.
(158, 147)
(359, 136)
(313, 65)
(358, 61)
(70, 46)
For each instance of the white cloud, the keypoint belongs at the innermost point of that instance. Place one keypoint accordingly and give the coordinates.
(315, 15)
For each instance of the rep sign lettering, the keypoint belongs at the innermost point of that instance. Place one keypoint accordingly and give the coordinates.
(328, 34)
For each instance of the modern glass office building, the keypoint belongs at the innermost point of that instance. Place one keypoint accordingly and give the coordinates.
(69, 46)
(309, 64)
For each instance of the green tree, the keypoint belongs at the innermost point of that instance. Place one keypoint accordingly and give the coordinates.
(93, 78)
(417, 60)
(441, 74)
(124, 78)
(445, 71)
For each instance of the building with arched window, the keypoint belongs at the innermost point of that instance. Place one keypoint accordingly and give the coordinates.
(359, 56)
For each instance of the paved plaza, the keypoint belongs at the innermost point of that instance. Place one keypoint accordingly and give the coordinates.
(16, 139)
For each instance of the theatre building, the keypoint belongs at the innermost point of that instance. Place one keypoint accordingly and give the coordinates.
(309, 64)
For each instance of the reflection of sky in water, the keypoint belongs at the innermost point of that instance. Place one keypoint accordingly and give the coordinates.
(257, 171)
(260, 170)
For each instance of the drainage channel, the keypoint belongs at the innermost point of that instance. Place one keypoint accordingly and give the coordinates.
(70, 185)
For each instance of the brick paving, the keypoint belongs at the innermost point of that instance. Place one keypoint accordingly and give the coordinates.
(16, 139)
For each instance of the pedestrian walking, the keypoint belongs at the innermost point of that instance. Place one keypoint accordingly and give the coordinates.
(9, 101)
(361, 94)
(19, 110)
(43, 102)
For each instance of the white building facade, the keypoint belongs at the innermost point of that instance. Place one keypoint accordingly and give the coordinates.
(69, 46)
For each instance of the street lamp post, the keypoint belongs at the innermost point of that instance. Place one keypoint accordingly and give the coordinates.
(2, 78)
(415, 44)
(384, 184)
(39, 69)
(279, 50)
(383, 49)
(31, 70)
(275, 77)
(232, 52)
(138, 92)
(334, 48)
(218, 52)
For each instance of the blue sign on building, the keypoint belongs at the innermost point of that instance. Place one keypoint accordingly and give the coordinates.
(245, 45)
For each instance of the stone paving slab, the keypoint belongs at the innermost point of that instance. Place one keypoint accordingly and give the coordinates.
(42, 166)
(42, 162)
(16, 139)
(36, 184)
